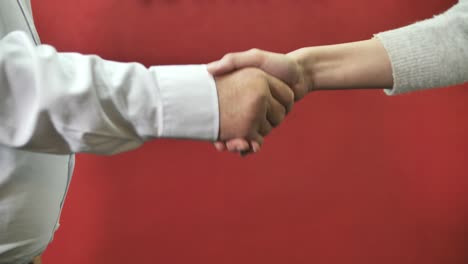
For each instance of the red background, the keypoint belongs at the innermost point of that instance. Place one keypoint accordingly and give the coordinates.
(351, 177)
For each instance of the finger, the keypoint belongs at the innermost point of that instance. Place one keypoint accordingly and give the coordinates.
(234, 61)
(258, 139)
(237, 145)
(265, 128)
(220, 146)
(255, 146)
(275, 112)
(281, 92)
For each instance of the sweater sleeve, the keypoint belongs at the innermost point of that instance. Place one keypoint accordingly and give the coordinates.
(431, 53)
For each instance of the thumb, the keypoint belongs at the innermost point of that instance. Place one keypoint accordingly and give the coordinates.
(220, 67)
(235, 61)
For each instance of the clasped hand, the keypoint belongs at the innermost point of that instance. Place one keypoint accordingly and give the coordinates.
(256, 90)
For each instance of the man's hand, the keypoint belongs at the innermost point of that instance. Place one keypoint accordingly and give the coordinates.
(251, 103)
(284, 67)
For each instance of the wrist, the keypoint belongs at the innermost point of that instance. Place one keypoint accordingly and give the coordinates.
(323, 67)
(305, 59)
(363, 64)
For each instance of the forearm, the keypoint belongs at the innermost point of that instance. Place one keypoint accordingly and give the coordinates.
(428, 54)
(356, 65)
(67, 102)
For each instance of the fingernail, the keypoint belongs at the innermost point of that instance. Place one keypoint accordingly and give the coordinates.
(255, 148)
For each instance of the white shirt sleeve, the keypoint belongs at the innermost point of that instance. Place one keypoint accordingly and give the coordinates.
(66, 102)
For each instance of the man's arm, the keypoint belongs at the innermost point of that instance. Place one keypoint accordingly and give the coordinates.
(66, 102)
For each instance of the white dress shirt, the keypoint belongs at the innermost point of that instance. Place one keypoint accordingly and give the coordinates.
(55, 104)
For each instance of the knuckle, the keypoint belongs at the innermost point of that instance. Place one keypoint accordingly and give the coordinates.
(255, 107)
(265, 131)
(255, 101)
(261, 97)
(257, 56)
(254, 52)
(229, 58)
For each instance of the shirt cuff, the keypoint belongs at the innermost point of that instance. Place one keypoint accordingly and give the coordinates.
(189, 102)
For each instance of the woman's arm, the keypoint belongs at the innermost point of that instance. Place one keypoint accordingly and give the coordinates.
(363, 64)
(431, 53)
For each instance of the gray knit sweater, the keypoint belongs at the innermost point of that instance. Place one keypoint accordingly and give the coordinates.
(431, 53)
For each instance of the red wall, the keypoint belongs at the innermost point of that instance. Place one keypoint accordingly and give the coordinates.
(350, 178)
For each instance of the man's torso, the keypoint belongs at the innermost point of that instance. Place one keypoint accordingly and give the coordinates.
(32, 185)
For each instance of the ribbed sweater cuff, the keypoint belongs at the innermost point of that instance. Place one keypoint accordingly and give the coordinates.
(431, 53)
(412, 59)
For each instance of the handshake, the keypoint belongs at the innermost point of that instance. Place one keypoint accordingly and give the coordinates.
(256, 90)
